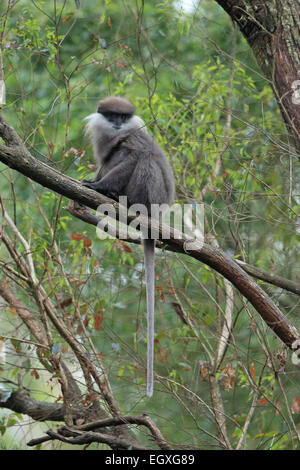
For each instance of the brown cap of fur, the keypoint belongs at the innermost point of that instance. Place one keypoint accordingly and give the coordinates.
(115, 104)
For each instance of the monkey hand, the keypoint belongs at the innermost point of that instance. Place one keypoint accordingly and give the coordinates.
(87, 184)
(97, 186)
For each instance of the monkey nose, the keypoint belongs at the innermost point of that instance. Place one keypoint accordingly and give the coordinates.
(118, 122)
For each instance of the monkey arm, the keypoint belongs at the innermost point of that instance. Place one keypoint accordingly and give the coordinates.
(115, 180)
(97, 176)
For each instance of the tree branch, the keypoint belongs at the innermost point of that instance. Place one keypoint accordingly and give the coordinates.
(90, 437)
(84, 435)
(272, 31)
(18, 158)
(144, 420)
(20, 402)
(270, 278)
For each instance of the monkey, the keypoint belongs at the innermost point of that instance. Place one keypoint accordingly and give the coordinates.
(130, 163)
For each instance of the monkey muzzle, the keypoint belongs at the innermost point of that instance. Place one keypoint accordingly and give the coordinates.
(117, 122)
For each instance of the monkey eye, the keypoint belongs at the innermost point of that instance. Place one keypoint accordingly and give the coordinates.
(109, 116)
(124, 117)
(112, 117)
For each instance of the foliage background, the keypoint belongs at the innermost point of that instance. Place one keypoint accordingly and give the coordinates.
(197, 87)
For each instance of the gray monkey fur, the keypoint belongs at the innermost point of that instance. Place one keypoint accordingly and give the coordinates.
(130, 163)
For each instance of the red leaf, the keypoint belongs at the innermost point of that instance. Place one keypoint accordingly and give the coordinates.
(67, 18)
(295, 407)
(252, 371)
(109, 22)
(122, 246)
(87, 242)
(34, 373)
(262, 402)
(81, 283)
(76, 236)
(98, 319)
(91, 397)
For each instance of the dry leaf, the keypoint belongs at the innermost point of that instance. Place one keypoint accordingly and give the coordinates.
(35, 374)
(262, 402)
(12, 310)
(65, 303)
(76, 236)
(87, 242)
(295, 407)
(252, 371)
(98, 319)
(123, 246)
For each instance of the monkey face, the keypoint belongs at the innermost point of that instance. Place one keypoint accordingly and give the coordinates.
(116, 119)
(111, 123)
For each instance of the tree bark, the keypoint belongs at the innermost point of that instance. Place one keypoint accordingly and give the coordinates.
(272, 29)
(21, 402)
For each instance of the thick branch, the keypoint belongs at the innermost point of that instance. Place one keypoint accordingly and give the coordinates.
(82, 432)
(139, 420)
(90, 437)
(20, 402)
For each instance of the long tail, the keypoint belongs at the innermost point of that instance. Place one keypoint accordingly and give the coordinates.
(149, 271)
